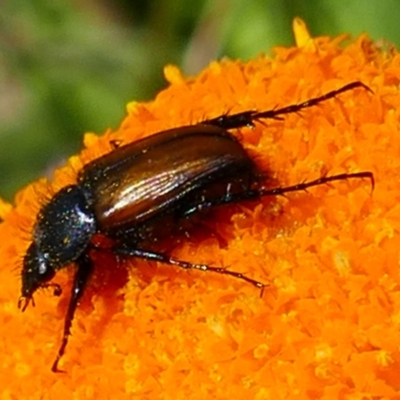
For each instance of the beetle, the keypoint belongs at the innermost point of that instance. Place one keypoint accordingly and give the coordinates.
(128, 194)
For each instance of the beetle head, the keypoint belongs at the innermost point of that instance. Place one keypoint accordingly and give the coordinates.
(36, 273)
(63, 230)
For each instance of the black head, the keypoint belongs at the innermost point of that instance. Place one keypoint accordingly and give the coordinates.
(63, 230)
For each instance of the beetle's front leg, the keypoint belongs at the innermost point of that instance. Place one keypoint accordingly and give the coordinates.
(83, 272)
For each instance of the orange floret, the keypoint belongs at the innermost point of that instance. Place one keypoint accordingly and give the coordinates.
(328, 325)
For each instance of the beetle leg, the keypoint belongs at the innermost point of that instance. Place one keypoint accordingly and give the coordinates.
(165, 259)
(278, 191)
(247, 118)
(83, 272)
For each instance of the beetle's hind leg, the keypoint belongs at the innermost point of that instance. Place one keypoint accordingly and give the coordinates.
(248, 118)
(165, 259)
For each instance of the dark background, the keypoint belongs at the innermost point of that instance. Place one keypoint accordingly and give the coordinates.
(69, 66)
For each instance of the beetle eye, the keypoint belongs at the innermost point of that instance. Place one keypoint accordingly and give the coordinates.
(46, 273)
(42, 269)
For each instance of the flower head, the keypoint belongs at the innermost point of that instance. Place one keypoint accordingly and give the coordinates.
(327, 325)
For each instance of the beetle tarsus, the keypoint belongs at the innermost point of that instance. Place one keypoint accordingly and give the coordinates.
(316, 182)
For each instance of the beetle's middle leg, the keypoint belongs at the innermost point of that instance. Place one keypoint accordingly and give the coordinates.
(166, 259)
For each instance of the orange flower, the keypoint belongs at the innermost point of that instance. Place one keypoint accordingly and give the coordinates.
(328, 326)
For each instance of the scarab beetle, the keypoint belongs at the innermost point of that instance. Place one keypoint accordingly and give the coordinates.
(128, 194)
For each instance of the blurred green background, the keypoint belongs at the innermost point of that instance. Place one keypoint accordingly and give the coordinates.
(69, 66)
